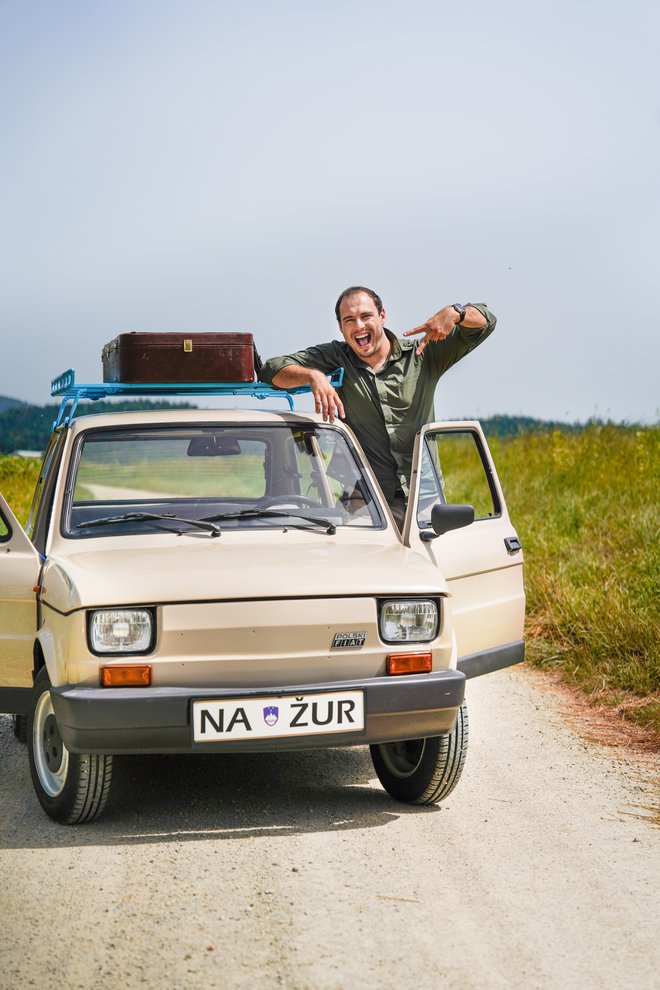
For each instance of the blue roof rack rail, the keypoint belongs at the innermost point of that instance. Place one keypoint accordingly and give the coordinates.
(66, 388)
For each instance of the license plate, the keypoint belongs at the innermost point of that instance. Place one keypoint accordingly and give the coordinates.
(274, 717)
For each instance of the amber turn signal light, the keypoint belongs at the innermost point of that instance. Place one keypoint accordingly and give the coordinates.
(126, 675)
(409, 663)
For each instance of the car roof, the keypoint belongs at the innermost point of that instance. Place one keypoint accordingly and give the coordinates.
(172, 417)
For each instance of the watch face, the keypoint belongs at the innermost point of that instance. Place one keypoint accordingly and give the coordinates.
(460, 310)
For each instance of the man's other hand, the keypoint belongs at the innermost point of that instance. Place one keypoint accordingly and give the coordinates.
(441, 325)
(326, 400)
(436, 327)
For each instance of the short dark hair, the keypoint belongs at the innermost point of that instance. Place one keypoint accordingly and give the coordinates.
(351, 291)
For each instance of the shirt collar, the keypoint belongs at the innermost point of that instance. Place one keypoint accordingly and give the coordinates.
(396, 346)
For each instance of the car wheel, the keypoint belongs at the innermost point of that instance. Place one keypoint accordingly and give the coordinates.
(20, 727)
(423, 771)
(71, 787)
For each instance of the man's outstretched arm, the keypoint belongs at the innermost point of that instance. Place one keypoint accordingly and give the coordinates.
(326, 400)
(440, 325)
(309, 367)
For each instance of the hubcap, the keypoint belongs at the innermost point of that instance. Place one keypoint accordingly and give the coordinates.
(52, 744)
(403, 758)
(51, 757)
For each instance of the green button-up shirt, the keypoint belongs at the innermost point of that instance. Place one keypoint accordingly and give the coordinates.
(387, 408)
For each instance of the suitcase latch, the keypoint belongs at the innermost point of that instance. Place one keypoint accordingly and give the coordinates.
(187, 344)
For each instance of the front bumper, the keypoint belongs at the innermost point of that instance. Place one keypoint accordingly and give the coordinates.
(158, 719)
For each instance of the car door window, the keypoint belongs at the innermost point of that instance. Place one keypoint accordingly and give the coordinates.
(455, 470)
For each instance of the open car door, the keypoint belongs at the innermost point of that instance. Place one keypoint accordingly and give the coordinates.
(19, 573)
(481, 561)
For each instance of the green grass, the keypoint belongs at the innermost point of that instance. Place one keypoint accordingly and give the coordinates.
(18, 477)
(586, 509)
(585, 505)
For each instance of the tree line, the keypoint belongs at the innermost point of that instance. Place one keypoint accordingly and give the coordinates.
(27, 427)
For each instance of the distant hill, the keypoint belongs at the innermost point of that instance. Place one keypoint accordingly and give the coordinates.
(26, 427)
(7, 403)
(512, 426)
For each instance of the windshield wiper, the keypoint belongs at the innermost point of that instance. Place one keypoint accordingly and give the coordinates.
(129, 517)
(325, 524)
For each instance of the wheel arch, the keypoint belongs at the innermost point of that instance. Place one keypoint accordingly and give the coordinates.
(43, 653)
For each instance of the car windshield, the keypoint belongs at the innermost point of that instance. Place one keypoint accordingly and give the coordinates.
(240, 476)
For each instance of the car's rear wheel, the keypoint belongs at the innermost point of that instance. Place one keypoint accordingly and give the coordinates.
(423, 771)
(72, 787)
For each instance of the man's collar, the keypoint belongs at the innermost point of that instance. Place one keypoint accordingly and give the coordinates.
(396, 345)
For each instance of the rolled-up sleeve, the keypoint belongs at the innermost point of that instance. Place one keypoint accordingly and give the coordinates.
(323, 357)
(462, 340)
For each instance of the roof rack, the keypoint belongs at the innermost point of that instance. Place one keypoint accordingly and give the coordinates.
(66, 387)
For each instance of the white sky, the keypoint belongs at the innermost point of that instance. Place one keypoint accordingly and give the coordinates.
(198, 165)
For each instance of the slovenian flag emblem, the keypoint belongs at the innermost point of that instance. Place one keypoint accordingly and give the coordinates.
(271, 714)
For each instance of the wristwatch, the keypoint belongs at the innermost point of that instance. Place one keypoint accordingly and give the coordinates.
(461, 312)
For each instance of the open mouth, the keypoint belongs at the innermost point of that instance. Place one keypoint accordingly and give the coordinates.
(362, 341)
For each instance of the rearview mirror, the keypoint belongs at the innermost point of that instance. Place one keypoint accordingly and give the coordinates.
(212, 446)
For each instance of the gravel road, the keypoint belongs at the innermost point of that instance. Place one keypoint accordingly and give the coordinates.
(541, 870)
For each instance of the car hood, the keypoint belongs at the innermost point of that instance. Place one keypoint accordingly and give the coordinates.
(291, 565)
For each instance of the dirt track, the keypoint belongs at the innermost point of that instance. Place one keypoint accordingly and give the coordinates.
(297, 871)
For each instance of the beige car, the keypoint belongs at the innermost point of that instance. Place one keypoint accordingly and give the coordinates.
(224, 581)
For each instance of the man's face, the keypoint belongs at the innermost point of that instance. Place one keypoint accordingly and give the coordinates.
(363, 327)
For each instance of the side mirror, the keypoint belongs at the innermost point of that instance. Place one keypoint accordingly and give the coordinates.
(447, 517)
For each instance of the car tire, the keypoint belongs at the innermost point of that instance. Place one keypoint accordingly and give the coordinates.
(20, 727)
(72, 787)
(423, 771)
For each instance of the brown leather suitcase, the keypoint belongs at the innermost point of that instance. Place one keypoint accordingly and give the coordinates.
(180, 357)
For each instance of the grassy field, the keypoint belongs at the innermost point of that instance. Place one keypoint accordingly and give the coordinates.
(586, 509)
(18, 476)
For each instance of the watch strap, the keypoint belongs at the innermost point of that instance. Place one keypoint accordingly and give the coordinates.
(460, 310)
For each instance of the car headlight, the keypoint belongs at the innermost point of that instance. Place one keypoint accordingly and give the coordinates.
(126, 630)
(409, 621)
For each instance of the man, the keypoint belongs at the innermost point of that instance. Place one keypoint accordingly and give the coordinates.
(388, 387)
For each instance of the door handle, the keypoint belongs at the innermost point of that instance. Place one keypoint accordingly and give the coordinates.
(512, 544)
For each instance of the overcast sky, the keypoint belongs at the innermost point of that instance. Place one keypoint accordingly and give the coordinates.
(199, 165)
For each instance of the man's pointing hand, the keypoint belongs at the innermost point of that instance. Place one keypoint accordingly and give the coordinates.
(436, 327)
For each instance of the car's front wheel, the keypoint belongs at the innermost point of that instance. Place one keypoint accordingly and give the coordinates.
(72, 787)
(423, 771)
